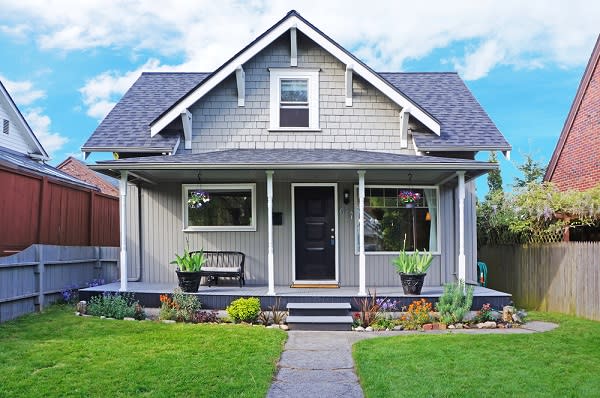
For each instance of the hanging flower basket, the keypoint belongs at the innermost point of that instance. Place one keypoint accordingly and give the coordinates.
(198, 199)
(408, 198)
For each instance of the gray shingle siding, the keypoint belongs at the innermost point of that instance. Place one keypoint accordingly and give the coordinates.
(372, 123)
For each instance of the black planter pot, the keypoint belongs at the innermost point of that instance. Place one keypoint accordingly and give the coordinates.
(412, 283)
(189, 281)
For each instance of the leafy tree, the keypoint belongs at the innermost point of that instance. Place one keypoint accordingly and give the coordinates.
(494, 178)
(532, 170)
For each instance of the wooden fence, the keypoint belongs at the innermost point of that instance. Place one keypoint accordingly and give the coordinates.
(562, 277)
(36, 276)
(35, 209)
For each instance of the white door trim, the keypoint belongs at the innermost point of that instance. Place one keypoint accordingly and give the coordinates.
(335, 203)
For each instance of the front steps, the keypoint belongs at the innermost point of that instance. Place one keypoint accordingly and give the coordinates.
(319, 316)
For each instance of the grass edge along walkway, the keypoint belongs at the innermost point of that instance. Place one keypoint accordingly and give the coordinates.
(58, 354)
(562, 362)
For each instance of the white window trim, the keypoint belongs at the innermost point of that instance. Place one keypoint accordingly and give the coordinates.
(388, 253)
(223, 187)
(277, 74)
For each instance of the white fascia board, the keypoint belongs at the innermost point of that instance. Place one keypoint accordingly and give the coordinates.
(186, 120)
(317, 37)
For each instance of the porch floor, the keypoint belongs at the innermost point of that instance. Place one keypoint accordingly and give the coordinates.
(218, 297)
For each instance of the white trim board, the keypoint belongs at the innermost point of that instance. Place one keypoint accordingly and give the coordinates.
(292, 21)
(337, 245)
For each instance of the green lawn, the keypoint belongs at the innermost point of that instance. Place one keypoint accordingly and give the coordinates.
(57, 354)
(561, 363)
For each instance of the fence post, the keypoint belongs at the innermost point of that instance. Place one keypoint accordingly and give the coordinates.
(41, 270)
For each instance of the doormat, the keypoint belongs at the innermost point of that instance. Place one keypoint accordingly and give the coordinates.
(315, 285)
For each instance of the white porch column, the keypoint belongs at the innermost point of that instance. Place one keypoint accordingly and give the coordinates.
(462, 272)
(270, 260)
(362, 288)
(123, 228)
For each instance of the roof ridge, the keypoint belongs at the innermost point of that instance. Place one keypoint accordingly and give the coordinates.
(174, 73)
(421, 73)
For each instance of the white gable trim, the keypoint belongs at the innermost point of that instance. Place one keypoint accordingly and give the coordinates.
(293, 22)
(37, 146)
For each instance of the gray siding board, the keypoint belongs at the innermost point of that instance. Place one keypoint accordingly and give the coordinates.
(372, 123)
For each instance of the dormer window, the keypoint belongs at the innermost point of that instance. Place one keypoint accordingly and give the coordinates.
(294, 99)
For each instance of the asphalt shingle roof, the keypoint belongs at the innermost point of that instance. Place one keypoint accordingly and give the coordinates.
(445, 96)
(290, 156)
(464, 123)
(128, 123)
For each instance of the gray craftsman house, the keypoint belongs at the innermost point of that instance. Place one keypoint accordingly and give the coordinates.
(302, 157)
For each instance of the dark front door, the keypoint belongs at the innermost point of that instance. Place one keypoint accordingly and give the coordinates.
(315, 233)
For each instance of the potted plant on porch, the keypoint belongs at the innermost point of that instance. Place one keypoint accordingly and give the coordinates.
(188, 269)
(412, 268)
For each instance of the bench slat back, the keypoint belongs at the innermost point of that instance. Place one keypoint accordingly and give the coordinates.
(229, 259)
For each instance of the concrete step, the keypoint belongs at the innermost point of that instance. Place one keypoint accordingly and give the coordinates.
(301, 322)
(318, 309)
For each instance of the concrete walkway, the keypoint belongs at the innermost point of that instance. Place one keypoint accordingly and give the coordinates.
(319, 364)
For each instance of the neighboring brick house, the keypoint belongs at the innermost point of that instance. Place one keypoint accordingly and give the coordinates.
(80, 170)
(575, 163)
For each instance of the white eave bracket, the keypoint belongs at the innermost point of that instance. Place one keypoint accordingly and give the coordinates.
(186, 120)
(293, 47)
(404, 116)
(506, 154)
(240, 77)
(349, 85)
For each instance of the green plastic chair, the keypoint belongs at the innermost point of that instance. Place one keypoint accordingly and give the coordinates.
(482, 272)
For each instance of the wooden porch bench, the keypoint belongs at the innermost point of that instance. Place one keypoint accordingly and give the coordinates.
(226, 264)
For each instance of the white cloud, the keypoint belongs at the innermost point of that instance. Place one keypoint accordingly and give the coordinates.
(40, 124)
(22, 92)
(482, 34)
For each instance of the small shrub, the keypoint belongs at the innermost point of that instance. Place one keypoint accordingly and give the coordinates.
(70, 294)
(118, 306)
(367, 310)
(417, 314)
(454, 304)
(244, 309)
(207, 317)
(484, 314)
(180, 307)
(383, 322)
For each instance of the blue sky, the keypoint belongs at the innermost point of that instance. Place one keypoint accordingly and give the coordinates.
(66, 62)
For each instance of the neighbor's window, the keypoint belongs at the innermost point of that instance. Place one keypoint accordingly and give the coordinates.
(219, 207)
(294, 99)
(393, 213)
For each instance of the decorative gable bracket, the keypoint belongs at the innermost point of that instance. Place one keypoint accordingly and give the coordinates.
(348, 85)
(186, 120)
(240, 77)
(404, 116)
(293, 47)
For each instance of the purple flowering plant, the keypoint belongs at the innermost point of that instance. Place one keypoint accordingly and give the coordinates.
(408, 197)
(198, 199)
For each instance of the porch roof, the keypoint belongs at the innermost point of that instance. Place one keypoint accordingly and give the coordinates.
(293, 158)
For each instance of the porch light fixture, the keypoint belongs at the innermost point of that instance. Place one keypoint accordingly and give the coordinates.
(346, 197)
(427, 216)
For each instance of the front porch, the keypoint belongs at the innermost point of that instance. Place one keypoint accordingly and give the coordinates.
(219, 297)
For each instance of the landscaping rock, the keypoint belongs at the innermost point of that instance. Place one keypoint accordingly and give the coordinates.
(487, 325)
(359, 329)
(77, 313)
(507, 313)
(496, 315)
(459, 325)
(284, 327)
(168, 321)
(517, 318)
(368, 329)
(102, 317)
(82, 307)
(128, 319)
(451, 327)
(428, 326)
(398, 328)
